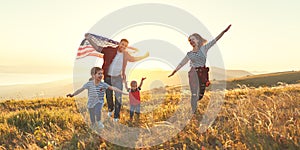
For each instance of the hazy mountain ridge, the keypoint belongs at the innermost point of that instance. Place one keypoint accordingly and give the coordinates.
(51, 89)
(218, 73)
(269, 79)
(35, 70)
(154, 79)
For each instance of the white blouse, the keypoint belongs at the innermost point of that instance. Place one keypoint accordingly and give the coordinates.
(198, 59)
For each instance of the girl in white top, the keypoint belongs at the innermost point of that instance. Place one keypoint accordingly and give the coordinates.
(197, 58)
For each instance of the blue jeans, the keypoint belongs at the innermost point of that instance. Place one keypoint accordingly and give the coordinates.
(95, 112)
(197, 88)
(135, 109)
(118, 83)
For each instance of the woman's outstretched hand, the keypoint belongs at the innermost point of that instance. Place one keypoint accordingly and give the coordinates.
(227, 28)
(172, 74)
(70, 95)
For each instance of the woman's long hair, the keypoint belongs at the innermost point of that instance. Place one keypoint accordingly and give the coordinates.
(202, 41)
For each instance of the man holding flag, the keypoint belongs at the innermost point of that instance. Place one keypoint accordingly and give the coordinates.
(114, 64)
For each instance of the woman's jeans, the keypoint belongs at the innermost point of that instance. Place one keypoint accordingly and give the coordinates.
(197, 88)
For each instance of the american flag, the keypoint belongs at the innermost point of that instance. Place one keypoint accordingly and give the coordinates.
(86, 49)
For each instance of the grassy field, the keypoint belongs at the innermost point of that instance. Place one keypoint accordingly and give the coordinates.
(250, 118)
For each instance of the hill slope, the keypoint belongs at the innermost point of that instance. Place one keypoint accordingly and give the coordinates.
(271, 79)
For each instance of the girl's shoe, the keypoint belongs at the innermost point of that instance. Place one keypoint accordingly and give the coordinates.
(100, 125)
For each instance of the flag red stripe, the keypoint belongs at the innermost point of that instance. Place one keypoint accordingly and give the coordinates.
(85, 52)
(84, 47)
(90, 54)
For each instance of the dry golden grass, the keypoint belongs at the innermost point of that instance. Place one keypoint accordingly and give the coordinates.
(256, 118)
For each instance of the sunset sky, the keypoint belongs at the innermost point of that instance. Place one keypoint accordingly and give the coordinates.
(43, 36)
